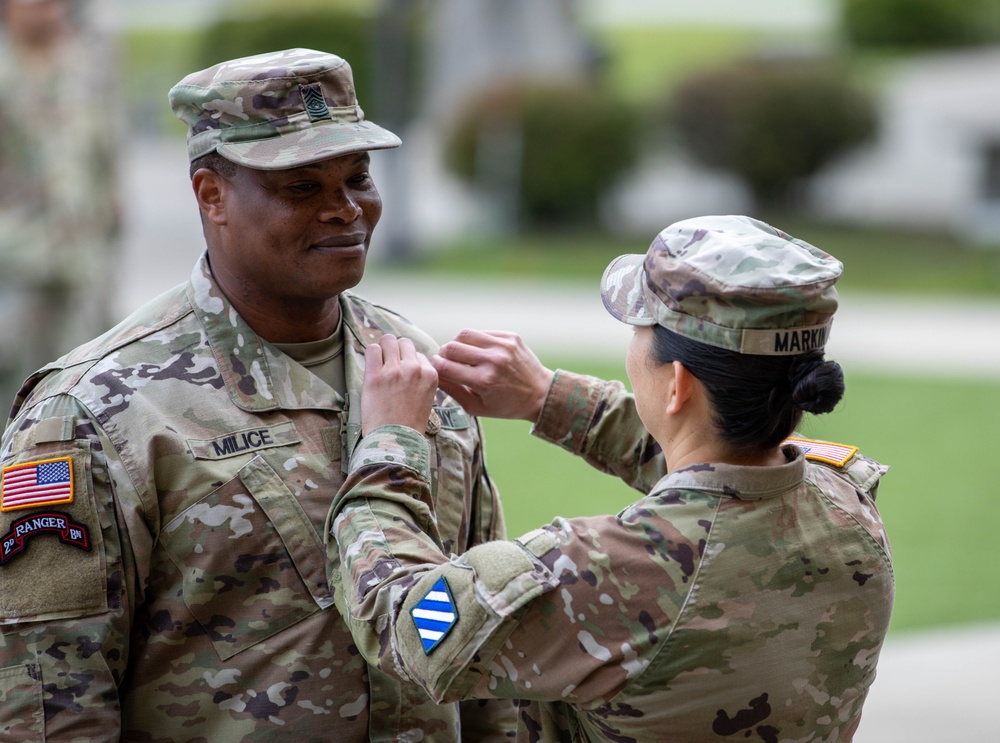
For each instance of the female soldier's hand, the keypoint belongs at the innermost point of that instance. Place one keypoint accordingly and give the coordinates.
(399, 385)
(493, 373)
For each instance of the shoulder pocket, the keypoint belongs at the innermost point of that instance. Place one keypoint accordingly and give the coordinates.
(251, 562)
(451, 485)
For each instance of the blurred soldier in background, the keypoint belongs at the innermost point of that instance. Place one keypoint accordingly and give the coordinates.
(59, 215)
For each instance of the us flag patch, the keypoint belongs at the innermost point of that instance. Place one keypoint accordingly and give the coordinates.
(435, 615)
(825, 451)
(47, 482)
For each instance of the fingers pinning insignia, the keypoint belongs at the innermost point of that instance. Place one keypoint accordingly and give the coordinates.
(435, 615)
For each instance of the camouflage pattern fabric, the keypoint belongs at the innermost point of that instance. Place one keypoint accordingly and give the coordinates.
(276, 110)
(729, 281)
(204, 463)
(59, 209)
(730, 603)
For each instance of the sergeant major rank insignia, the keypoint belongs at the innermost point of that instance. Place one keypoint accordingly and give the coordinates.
(435, 615)
(314, 102)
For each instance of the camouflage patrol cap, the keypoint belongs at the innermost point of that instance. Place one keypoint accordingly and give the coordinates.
(276, 110)
(731, 282)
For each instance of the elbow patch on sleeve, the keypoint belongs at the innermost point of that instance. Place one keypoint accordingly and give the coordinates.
(485, 586)
(497, 564)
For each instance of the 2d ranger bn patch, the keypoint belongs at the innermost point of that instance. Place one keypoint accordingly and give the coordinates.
(435, 615)
(14, 542)
(825, 451)
(46, 482)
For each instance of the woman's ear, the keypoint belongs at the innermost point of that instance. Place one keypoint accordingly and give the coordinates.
(210, 190)
(680, 388)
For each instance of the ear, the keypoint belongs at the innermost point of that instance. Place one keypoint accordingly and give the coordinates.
(680, 389)
(210, 190)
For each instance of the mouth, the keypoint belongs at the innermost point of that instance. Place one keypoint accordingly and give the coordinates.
(337, 243)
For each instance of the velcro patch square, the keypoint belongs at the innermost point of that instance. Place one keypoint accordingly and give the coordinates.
(435, 615)
(46, 482)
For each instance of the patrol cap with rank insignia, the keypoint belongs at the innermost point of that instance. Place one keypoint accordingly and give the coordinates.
(275, 111)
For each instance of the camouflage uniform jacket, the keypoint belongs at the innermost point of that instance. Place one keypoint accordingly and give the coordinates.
(182, 593)
(730, 603)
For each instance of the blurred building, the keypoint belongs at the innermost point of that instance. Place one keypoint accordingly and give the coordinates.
(936, 163)
(472, 46)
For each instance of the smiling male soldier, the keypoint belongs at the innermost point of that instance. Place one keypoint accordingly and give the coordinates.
(165, 486)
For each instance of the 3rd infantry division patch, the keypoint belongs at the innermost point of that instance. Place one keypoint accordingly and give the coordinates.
(435, 615)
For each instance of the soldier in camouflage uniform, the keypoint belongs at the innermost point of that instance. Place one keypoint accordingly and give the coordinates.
(165, 486)
(744, 596)
(59, 210)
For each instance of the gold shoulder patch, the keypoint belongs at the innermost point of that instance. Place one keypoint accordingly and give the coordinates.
(825, 451)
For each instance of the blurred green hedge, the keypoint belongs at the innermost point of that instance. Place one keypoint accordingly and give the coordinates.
(559, 147)
(920, 23)
(771, 122)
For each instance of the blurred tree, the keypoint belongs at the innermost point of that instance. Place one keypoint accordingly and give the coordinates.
(921, 23)
(346, 28)
(771, 122)
(546, 151)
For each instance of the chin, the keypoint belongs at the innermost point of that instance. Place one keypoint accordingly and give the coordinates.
(349, 275)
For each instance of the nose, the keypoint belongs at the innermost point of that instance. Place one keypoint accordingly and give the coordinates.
(340, 207)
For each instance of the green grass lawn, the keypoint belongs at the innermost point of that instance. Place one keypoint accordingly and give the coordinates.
(939, 501)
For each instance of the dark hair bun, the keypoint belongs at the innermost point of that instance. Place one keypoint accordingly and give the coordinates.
(817, 383)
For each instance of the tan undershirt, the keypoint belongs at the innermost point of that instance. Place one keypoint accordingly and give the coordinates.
(324, 358)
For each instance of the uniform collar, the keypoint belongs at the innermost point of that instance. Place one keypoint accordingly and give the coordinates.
(258, 376)
(743, 483)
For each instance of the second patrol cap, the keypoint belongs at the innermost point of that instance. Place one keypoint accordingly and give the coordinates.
(276, 110)
(728, 281)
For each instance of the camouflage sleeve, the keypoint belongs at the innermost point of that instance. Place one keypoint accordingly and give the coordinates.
(65, 602)
(486, 720)
(512, 619)
(384, 551)
(598, 421)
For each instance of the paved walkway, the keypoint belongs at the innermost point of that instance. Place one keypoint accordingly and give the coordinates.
(933, 687)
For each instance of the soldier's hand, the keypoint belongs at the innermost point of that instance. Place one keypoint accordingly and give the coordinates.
(493, 373)
(399, 386)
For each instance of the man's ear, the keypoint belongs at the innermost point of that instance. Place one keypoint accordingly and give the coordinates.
(680, 388)
(210, 190)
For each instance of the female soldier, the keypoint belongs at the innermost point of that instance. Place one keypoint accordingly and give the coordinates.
(745, 597)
